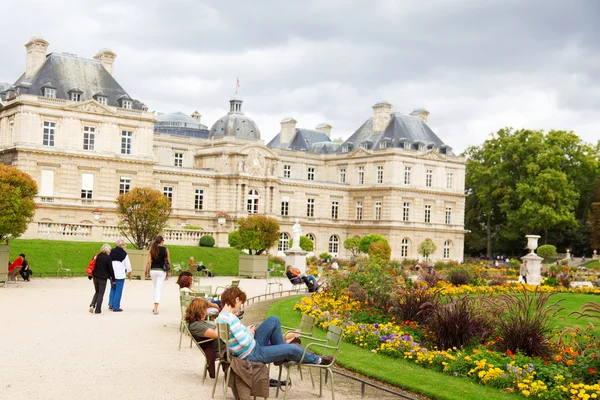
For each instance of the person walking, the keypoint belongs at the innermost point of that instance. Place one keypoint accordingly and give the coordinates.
(122, 267)
(523, 271)
(158, 268)
(102, 272)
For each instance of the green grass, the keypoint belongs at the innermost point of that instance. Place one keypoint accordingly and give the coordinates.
(397, 372)
(592, 264)
(43, 255)
(574, 302)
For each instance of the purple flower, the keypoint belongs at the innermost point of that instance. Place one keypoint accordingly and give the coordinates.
(376, 326)
(455, 373)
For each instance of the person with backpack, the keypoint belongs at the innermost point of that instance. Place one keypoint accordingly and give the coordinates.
(16, 267)
(25, 271)
(103, 270)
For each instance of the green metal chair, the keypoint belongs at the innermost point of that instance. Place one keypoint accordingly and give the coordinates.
(233, 284)
(322, 347)
(199, 345)
(62, 270)
(223, 331)
(273, 279)
(185, 298)
(307, 325)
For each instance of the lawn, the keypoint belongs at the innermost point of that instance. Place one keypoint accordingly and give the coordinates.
(43, 255)
(396, 372)
(574, 302)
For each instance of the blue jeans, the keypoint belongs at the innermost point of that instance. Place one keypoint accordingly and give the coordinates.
(312, 279)
(116, 292)
(270, 331)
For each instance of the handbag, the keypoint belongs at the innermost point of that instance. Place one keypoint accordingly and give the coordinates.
(166, 266)
(91, 266)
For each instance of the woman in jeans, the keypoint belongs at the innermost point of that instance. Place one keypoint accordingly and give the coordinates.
(157, 256)
(102, 271)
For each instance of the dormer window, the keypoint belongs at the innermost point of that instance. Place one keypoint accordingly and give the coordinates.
(126, 104)
(102, 100)
(421, 147)
(50, 93)
(75, 96)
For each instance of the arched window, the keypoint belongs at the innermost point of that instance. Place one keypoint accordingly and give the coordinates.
(334, 244)
(284, 242)
(447, 248)
(404, 248)
(312, 239)
(252, 202)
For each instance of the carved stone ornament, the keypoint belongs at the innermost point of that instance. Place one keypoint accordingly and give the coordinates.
(92, 107)
(256, 163)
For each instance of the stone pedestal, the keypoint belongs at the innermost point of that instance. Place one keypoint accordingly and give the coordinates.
(296, 258)
(595, 256)
(534, 262)
(4, 260)
(138, 260)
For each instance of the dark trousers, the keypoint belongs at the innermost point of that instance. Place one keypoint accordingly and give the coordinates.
(25, 274)
(100, 286)
(524, 278)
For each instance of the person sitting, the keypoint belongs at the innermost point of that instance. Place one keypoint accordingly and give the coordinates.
(292, 273)
(25, 271)
(15, 267)
(185, 282)
(264, 343)
(200, 329)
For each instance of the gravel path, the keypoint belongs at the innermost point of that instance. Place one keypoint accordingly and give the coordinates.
(53, 348)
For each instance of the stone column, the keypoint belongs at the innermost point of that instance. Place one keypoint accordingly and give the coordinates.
(534, 262)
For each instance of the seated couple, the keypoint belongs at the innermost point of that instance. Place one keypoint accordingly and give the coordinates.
(310, 281)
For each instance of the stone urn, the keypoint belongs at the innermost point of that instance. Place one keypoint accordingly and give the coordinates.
(534, 262)
(532, 242)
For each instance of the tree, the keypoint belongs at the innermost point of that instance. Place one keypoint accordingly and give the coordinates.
(257, 233)
(143, 214)
(233, 238)
(366, 241)
(17, 190)
(595, 220)
(426, 248)
(546, 251)
(352, 244)
(380, 250)
(305, 244)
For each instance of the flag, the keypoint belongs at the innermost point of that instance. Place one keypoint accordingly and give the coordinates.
(238, 82)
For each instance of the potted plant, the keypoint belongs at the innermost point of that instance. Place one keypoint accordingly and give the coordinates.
(97, 213)
(255, 234)
(222, 217)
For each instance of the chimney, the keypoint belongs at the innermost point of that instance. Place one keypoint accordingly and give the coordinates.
(106, 58)
(381, 116)
(36, 55)
(288, 130)
(421, 113)
(196, 115)
(325, 128)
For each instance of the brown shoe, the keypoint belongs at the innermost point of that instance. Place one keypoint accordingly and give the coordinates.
(327, 360)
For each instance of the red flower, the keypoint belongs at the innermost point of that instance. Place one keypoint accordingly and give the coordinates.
(510, 353)
(592, 371)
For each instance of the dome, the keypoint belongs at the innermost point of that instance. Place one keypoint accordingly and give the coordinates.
(235, 123)
(178, 119)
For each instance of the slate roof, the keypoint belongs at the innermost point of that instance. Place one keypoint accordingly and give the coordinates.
(68, 71)
(235, 123)
(178, 131)
(179, 119)
(401, 128)
(306, 140)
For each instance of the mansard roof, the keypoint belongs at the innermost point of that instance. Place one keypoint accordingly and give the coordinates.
(306, 140)
(67, 71)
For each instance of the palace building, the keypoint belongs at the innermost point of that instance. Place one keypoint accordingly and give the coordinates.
(69, 124)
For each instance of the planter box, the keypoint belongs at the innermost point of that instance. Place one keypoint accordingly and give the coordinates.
(253, 266)
(4, 260)
(139, 259)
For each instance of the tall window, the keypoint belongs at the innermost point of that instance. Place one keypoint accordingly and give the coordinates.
(126, 137)
(311, 173)
(179, 159)
(168, 192)
(49, 131)
(335, 209)
(427, 212)
(428, 177)
(407, 175)
(447, 248)
(377, 210)
(361, 175)
(448, 215)
(449, 177)
(284, 242)
(89, 138)
(359, 210)
(310, 208)
(343, 175)
(404, 248)
(406, 212)
(51, 93)
(334, 244)
(87, 187)
(312, 239)
(124, 184)
(199, 199)
(252, 201)
(380, 174)
(287, 171)
(285, 208)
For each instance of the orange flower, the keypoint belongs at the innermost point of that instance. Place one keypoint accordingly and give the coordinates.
(558, 358)
(569, 362)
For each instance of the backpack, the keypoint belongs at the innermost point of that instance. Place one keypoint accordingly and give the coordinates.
(90, 268)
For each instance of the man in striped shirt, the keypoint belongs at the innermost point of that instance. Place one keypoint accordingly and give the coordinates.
(264, 343)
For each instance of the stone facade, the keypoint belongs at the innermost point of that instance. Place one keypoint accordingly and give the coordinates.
(335, 196)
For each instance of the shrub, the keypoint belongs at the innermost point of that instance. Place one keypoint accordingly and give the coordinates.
(325, 256)
(430, 277)
(257, 233)
(17, 190)
(408, 262)
(514, 263)
(352, 244)
(366, 241)
(564, 279)
(233, 239)
(305, 244)
(464, 313)
(193, 227)
(426, 248)
(380, 250)
(459, 276)
(546, 251)
(523, 321)
(207, 241)
(277, 260)
(408, 304)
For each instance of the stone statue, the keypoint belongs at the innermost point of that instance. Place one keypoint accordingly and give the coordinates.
(296, 233)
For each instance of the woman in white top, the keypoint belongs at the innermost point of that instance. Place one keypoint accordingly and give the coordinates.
(122, 268)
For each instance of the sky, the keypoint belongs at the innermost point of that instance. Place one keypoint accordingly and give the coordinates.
(476, 66)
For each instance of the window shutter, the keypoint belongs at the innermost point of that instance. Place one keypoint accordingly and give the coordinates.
(47, 183)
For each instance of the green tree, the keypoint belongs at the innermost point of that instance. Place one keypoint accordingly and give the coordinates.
(257, 233)
(426, 248)
(17, 190)
(352, 244)
(305, 244)
(546, 251)
(366, 241)
(233, 239)
(143, 214)
(380, 250)
(595, 220)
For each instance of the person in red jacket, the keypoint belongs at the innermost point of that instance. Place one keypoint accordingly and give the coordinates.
(15, 267)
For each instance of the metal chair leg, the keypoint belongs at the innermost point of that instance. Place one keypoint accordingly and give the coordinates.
(287, 387)
(278, 382)
(332, 391)
(215, 382)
